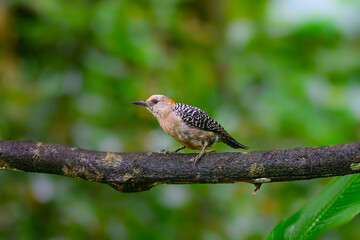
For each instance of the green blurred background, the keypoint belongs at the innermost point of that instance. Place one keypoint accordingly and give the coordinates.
(277, 74)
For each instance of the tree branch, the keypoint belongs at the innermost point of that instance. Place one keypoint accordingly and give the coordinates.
(133, 172)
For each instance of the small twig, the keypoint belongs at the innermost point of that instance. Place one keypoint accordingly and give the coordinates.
(257, 188)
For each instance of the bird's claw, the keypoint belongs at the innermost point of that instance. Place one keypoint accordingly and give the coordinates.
(198, 157)
(195, 160)
(164, 151)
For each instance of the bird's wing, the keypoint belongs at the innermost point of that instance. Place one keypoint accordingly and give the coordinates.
(196, 117)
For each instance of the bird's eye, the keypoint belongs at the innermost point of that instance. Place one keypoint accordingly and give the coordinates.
(154, 101)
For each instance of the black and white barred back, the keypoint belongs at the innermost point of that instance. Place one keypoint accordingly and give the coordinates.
(195, 117)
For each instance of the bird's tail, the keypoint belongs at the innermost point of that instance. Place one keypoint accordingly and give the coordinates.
(233, 143)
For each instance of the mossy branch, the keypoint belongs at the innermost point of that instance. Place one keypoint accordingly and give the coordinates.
(139, 171)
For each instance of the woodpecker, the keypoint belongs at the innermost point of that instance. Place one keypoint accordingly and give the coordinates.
(189, 125)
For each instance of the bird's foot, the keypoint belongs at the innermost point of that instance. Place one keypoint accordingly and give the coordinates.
(164, 151)
(210, 151)
(195, 160)
(200, 155)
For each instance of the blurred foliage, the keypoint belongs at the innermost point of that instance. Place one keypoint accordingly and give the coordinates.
(276, 74)
(336, 205)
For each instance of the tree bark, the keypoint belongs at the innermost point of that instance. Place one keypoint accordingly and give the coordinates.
(140, 171)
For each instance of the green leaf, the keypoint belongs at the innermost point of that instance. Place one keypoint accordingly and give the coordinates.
(336, 205)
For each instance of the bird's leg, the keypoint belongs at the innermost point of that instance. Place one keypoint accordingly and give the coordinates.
(164, 151)
(180, 148)
(201, 154)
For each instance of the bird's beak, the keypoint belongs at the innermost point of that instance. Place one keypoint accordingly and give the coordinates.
(142, 103)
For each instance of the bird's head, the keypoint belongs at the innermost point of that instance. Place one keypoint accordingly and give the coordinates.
(158, 105)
